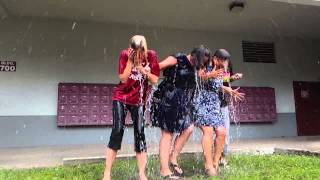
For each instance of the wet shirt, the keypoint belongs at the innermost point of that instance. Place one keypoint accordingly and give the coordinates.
(134, 90)
(182, 75)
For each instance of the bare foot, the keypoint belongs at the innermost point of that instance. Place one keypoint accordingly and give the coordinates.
(211, 172)
(106, 177)
(142, 177)
(164, 173)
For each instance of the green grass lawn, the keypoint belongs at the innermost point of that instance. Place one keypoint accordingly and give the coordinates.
(241, 167)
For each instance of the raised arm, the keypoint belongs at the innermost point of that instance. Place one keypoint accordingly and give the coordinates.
(125, 65)
(168, 62)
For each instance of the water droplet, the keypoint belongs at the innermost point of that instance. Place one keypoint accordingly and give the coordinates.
(101, 138)
(92, 13)
(46, 13)
(318, 62)
(74, 25)
(155, 34)
(24, 126)
(84, 41)
(29, 26)
(30, 50)
(3, 17)
(63, 37)
(17, 131)
(105, 51)
(41, 37)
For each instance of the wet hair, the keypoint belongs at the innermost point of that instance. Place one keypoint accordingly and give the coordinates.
(139, 42)
(222, 54)
(198, 55)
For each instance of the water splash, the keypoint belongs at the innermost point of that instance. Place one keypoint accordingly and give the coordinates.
(234, 118)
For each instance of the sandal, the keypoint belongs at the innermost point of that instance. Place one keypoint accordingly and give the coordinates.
(170, 176)
(223, 162)
(174, 166)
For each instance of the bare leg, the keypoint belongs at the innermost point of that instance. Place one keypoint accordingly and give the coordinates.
(179, 144)
(110, 157)
(141, 162)
(165, 144)
(219, 143)
(207, 144)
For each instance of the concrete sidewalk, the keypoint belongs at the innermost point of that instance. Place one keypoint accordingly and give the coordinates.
(59, 155)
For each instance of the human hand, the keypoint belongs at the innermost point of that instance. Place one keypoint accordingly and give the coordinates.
(236, 95)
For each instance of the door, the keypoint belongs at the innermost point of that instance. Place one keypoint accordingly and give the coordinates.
(307, 103)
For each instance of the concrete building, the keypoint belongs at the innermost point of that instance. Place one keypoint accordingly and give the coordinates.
(79, 41)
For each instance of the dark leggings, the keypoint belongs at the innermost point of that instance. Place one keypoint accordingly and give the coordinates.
(119, 112)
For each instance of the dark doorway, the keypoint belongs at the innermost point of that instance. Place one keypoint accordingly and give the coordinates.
(307, 103)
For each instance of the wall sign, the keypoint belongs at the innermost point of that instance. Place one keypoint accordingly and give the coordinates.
(8, 66)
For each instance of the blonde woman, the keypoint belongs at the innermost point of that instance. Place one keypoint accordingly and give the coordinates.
(138, 67)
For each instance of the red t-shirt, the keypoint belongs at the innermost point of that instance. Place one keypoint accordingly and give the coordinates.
(130, 92)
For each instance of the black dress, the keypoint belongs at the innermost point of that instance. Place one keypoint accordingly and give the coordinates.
(172, 103)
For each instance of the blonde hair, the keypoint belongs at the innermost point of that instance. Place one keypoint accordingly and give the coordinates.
(141, 41)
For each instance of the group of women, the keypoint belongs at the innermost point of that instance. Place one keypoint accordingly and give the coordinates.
(190, 95)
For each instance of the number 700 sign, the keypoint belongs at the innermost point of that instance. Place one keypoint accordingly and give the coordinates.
(8, 66)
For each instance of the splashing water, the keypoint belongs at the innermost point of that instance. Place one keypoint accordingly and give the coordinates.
(234, 118)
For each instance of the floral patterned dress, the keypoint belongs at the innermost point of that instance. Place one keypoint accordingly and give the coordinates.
(207, 103)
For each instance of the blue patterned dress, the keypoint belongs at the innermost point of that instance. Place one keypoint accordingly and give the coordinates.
(207, 103)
